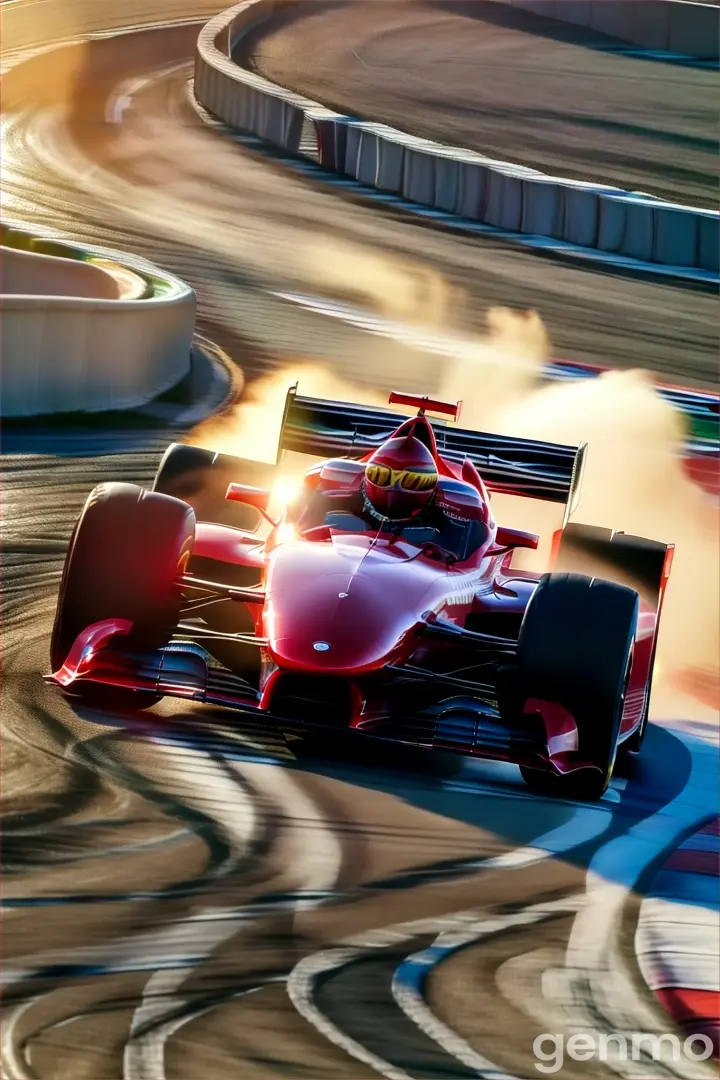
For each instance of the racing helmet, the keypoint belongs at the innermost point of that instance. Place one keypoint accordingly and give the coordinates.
(400, 478)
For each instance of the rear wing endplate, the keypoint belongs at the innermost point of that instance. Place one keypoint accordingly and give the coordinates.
(524, 467)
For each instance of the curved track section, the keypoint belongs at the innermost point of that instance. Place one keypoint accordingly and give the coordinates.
(231, 225)
(505, 82)
(177, 888)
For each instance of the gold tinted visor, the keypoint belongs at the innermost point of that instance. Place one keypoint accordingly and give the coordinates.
(407, 479)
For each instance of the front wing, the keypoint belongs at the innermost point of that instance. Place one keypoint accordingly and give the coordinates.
(463, 717)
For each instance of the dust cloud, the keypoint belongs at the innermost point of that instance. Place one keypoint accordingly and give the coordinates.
(634, 479)
(488, 374)
(492, 373)
(252, 429)
(394, 287)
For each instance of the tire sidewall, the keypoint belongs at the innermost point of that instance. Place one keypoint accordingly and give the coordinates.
(125, 556)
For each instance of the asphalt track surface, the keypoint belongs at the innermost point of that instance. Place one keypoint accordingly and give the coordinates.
(506, 82)
(273, 228)
(171, 885)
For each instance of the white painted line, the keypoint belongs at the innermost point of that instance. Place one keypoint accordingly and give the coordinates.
(13, 1063)
(451, 345)
(122, 96)
(144, 1054)
(410, 976)
(116, 108)
(25, 3)
(301, 990)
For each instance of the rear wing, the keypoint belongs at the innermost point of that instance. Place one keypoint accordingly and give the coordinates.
(523, 467)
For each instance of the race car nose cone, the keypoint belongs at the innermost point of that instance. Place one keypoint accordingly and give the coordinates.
(336, 609)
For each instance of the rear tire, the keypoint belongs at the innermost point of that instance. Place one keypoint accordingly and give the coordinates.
(575, 649)
(125, 555)
(201, 477)
(628, 560)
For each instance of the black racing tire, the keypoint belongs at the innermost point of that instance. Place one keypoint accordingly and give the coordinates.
(627, 560)
(575, 649)
(125, 555)
(201, 477)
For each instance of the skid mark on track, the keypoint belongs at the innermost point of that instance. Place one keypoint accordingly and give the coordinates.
(587, 824)
(318, 859)
(187, 943)
(301, 990)
(160, 1015)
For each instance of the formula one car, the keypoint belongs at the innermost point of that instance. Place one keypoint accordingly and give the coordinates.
(380, 600)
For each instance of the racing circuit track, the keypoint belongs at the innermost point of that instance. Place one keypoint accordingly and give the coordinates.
(188, 898)
(506, 82)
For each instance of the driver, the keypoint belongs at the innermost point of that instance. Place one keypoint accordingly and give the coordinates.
(401, 487)
(400, 481)
(397, 488)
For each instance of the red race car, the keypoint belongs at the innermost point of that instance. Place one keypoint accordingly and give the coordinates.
(381, 600)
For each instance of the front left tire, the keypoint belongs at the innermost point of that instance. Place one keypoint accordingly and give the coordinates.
(127, 551)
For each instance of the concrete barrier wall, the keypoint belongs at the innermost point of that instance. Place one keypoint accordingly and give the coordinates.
(675, 26)
(513, 198)
(70, 342)
(237, 97)
(63, 355)
(521, 200)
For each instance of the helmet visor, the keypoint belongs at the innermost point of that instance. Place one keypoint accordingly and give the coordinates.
(408, 479)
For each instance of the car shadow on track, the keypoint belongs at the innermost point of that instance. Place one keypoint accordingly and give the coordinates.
(488, 796)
